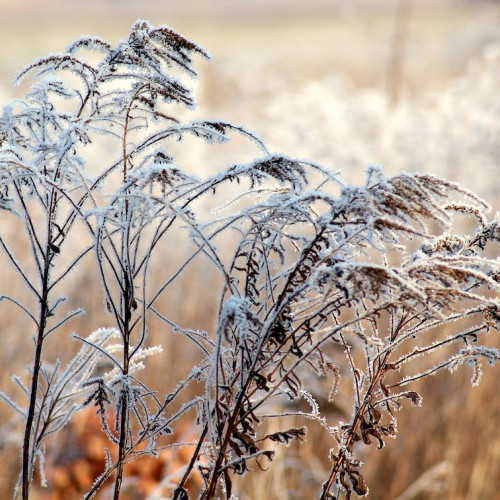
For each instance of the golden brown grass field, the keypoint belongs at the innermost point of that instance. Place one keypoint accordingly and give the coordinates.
(412, 85)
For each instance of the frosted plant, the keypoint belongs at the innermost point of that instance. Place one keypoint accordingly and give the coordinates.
(309, 267)
(449, 132)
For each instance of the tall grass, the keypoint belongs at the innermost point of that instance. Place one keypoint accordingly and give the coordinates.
(328, 299)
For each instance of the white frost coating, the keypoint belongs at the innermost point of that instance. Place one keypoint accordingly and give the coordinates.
(235, 314)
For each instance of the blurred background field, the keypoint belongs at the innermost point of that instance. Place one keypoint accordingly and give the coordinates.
(412, 85)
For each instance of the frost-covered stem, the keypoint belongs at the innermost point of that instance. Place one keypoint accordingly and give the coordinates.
(100, 481)
(232, 422)
(178, 491)
(358, 417)
(122, 446)
(342, 454)
(49, 254)
(209, 493)
(126, 314)
(27, 465)
(123, 409)
(37, 362)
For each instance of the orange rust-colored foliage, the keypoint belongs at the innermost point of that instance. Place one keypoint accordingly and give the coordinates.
(81, 457)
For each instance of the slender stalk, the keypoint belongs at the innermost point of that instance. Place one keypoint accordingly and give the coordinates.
(124, 418)
(177, 492)
(352, 432)
(125, 393)
(27, 451)
(126, 298)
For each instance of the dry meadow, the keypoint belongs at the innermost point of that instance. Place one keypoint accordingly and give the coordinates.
(410, 85)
